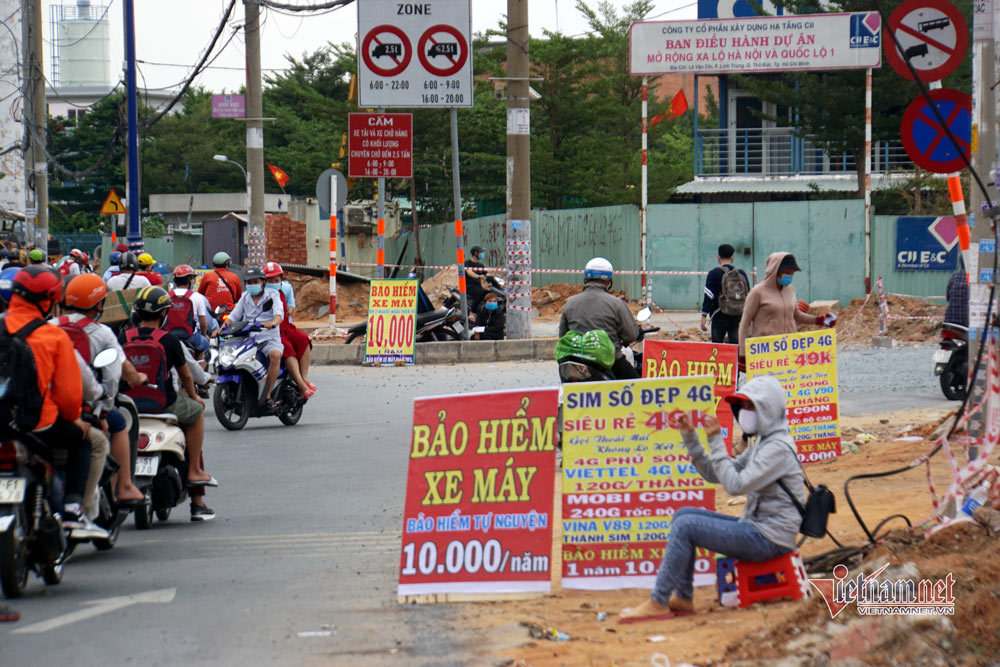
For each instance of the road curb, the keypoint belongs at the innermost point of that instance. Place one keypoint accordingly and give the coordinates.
(447, 352)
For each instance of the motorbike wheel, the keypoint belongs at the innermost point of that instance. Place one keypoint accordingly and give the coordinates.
(352, 337)
(106, 520)
(233, 412)
(52, 573)
(144, 513)
(953, 383)
(291, 417)
(13, 564)
(163, 514)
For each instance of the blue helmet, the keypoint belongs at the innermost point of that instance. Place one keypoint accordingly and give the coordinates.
(7, 282)
(114, 258)
(598, 269)
(161, 267)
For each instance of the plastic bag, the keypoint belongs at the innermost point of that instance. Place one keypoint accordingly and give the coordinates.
(594, 347)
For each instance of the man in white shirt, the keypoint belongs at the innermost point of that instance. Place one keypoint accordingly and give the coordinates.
(257, 307)
(127, 278)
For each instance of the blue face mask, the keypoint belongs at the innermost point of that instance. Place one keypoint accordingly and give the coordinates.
(785, 280)
(492, 305)
(274, 286)
(254, 290)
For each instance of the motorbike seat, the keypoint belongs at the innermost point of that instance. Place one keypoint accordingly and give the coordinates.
(167, 417)
(424, 318)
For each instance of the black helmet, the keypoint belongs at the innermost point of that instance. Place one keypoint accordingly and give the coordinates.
(476, 250)
(254, 274)
(129, 262)
(151, 301)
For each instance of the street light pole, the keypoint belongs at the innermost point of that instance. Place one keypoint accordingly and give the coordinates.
(246, 177)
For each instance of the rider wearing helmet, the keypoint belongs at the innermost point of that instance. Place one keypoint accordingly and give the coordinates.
(298, 347)
(258, 307)
(36, 256)
(221, 287)
(84, 304)
(127, 277)
(474, 274)
(597, 308)
(146, 263)
(113, 260)
(150, 312)
(189, 316)
(35, 291)
(75, 263)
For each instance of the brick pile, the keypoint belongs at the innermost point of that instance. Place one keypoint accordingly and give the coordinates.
(286, 239)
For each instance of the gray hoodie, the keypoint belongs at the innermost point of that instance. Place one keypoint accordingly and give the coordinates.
(756, 472)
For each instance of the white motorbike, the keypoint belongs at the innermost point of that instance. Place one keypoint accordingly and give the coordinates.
(160, 467)
(242, 381)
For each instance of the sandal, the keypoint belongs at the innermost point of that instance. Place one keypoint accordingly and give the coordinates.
(309, 393)
(312, 386)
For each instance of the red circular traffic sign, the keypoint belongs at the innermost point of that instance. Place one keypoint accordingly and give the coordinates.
(398, 53)
(934, 36)
(454, 53)
(926, 142)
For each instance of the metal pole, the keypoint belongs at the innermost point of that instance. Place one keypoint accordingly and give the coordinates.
(459, 235)
(134, 206)
(518, 172)
(255, 131)
(333, 250)
(35, 164)
(868, 180)
(417, 259)
(646, 297)
(380, 252)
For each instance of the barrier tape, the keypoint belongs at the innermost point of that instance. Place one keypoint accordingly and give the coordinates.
(524, 263)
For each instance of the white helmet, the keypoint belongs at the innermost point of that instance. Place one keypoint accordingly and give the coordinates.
(598, 269)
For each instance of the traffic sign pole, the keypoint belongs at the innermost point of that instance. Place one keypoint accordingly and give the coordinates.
(459, 235)
(333, 250)
(380, 271)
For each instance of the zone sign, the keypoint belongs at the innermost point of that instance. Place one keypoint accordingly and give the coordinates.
(414, 54)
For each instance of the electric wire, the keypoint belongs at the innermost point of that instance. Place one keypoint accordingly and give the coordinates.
(55, 41)
(321, 6)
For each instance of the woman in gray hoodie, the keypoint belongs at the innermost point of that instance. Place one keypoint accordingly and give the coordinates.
(770, 521)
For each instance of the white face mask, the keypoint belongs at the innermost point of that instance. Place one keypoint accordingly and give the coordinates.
(748, 421)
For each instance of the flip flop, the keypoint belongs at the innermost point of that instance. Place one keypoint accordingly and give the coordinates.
(312, 386)
(130, 503)
(309, 393)
(211, 481)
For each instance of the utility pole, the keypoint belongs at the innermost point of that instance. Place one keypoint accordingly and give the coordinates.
(132, 198)
(518, 173)
(35, 121)
(255, 133)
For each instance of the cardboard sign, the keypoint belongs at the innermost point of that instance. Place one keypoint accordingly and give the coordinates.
(479, 494)
(671, 358)
(392, 321)
(806, 366)
(625, 473)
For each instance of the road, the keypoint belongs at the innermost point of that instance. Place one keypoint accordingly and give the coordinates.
(300, 566)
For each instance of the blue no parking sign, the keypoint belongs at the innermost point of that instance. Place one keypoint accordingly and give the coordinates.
(924, 139)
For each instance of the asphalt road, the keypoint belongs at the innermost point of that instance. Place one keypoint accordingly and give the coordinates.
(300, 566)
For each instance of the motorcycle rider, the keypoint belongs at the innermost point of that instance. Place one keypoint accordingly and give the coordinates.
(84, 299)
(221, 286)
(188, 318)
(36, 256)
(150, 310)
(35, 291)
(957, 294)
(475, 272)
(113, 259)
(597, 308)
(146, 263)
(74, 264)
(127, 277)
(297, 345)
(256, 306)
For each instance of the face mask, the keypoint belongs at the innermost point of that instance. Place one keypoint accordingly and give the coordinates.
(785, 280)
(254, 290)
(274, 286)
(748, 421)
(492, 305)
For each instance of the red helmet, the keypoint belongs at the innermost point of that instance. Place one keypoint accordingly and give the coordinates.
(183, 270)
(37, 283)
(272, 270)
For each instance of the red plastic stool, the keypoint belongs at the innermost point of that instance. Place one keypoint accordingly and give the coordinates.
(741, 583)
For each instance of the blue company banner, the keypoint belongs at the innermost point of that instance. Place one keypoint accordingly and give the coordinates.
(926, 243)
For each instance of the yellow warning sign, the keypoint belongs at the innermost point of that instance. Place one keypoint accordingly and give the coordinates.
(112, 204)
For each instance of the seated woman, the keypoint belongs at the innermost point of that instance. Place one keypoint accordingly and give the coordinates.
(298, 346)
(770, 521)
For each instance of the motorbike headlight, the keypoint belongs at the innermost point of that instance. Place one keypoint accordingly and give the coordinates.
(227, 358)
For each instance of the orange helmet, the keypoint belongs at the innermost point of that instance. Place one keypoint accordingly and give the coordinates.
(183, 270)
(85, 291)
(272, 270)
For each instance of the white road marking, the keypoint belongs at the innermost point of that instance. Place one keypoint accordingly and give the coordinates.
(98, 607)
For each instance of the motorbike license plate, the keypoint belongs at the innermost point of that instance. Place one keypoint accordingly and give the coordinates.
(942, 356)
(12, 489)
(458, 327)
(147, 466)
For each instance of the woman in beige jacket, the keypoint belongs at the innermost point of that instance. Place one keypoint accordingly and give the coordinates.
(771, 307)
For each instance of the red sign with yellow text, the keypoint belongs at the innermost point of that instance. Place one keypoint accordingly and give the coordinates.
(672, 358)
(479, 494)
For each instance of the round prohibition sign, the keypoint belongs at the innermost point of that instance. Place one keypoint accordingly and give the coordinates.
(445, 44)
(380, 44)
(934, 37)
(924, 139)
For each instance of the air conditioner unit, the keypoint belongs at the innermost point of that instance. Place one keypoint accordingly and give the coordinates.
(357, 221)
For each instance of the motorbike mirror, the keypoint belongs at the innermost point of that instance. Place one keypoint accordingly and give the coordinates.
(105, 358)
(644, 315)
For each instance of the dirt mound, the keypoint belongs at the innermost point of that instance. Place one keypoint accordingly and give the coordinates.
(312, 298)
(549, 300)
(857, 324)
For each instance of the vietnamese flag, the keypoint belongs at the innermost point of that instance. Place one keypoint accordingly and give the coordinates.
(678, 107)
(279, 176)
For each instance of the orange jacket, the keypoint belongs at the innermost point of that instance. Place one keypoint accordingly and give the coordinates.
(59, 378)
(216, 291)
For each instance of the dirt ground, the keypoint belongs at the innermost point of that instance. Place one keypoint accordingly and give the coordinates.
(312, 298)
(802, 631)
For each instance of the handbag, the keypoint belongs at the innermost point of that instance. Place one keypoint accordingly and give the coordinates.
(820, 504)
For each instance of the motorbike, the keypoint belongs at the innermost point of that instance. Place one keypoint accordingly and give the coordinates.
(242, 381)
(951, 361)
(160, 467)
(444, 323)
(111, 515)
(574, 369)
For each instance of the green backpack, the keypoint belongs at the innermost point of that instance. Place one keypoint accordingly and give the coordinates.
(594, 347)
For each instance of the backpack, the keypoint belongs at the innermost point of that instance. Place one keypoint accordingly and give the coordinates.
(20, 400)
(77, 334)
(148, 355)
(180, 319)
(733, 294)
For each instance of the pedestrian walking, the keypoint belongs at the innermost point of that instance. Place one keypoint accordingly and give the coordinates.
(726, 290)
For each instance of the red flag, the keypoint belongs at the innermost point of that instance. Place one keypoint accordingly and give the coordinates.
(656, 119)
(279, 176)
(678, 105)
